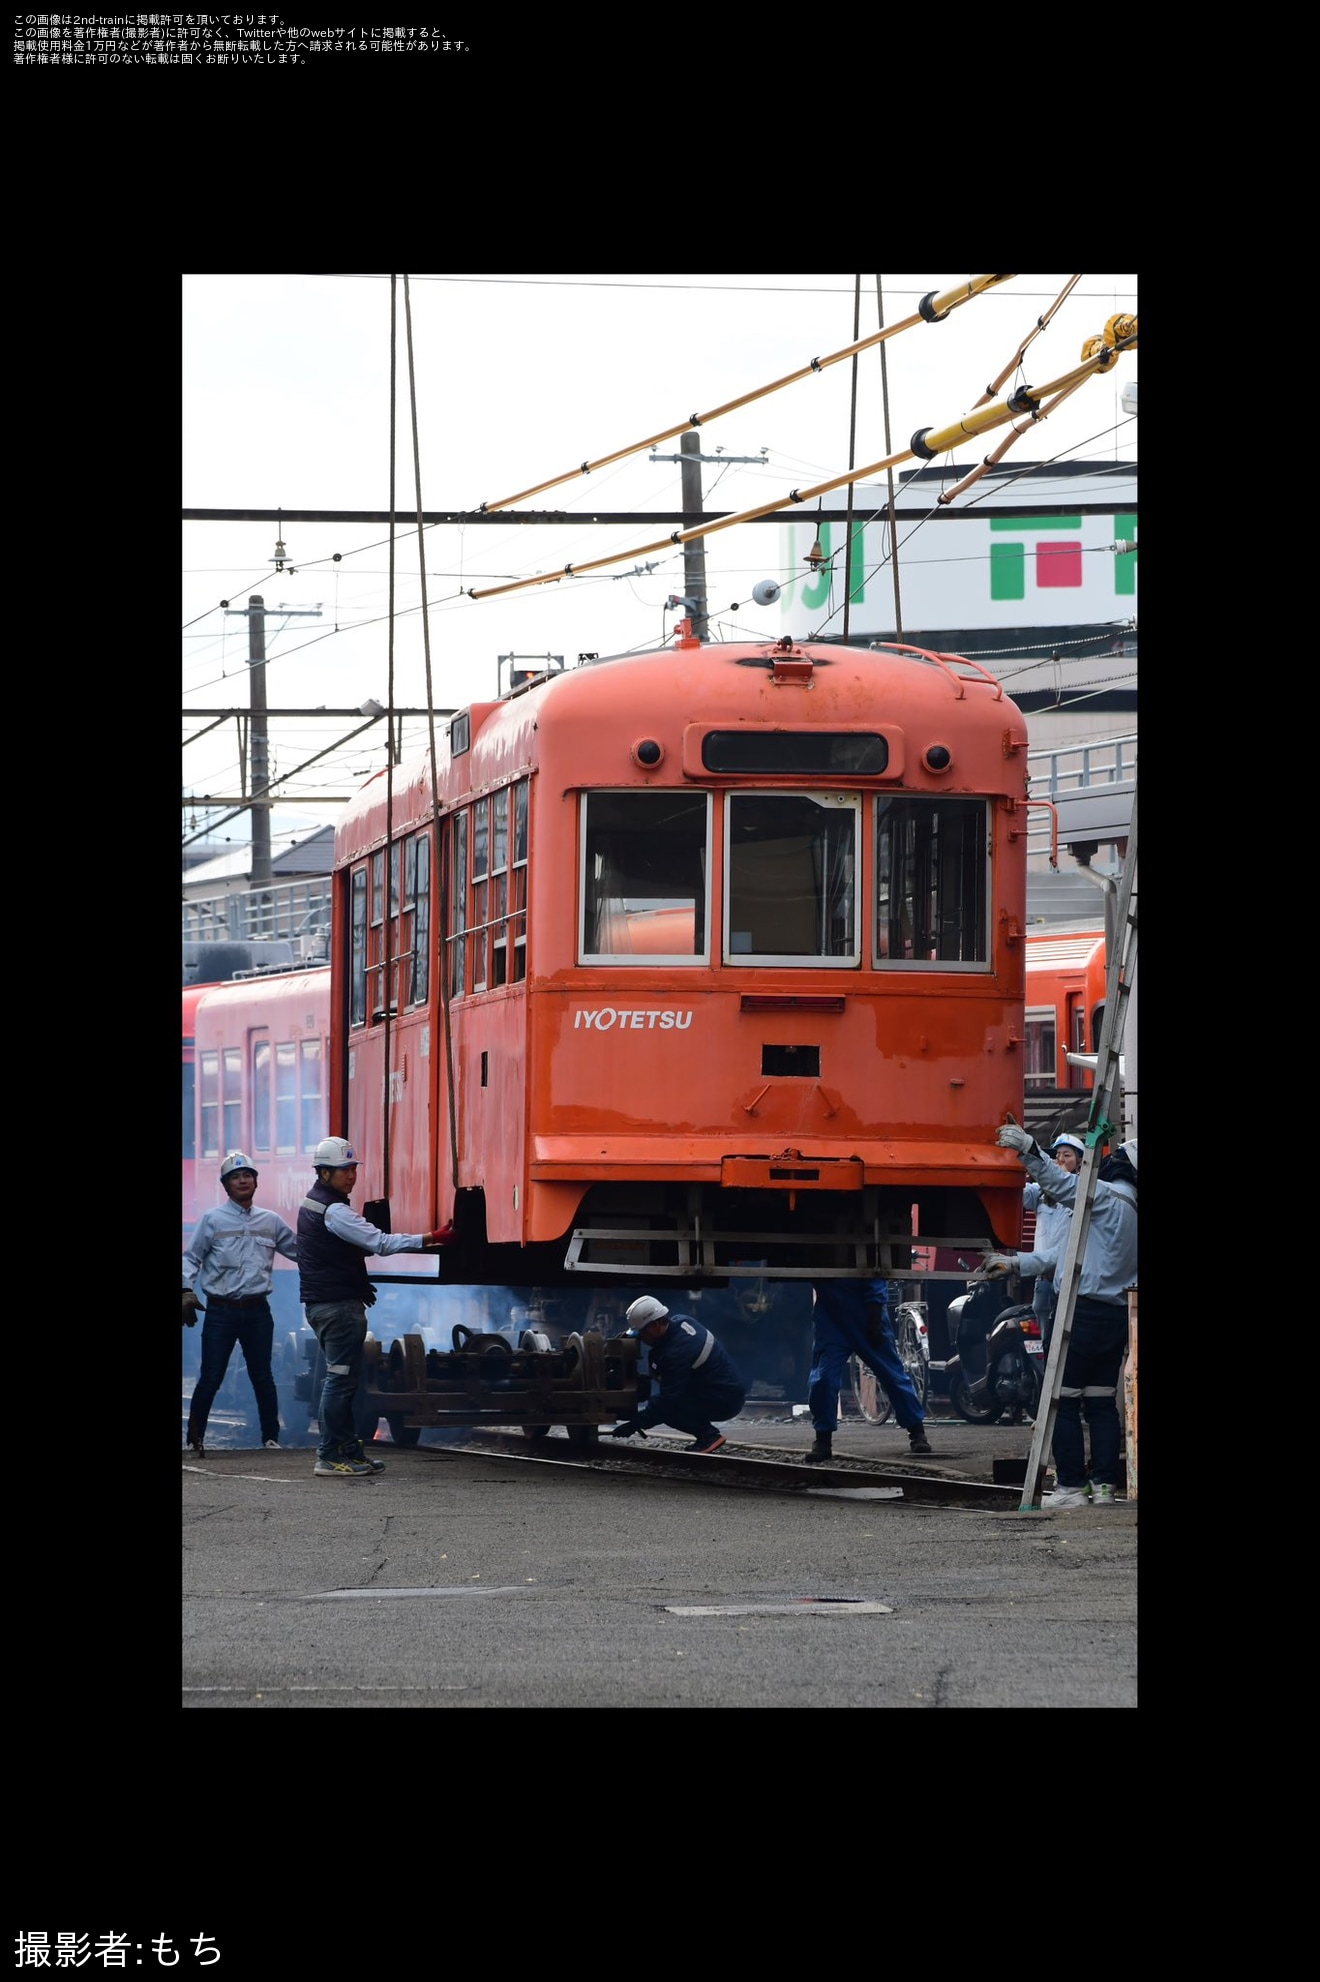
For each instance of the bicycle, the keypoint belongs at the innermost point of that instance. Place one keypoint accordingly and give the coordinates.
(869, 1393)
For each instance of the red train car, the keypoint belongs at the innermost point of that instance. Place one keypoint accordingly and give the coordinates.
(191, 994)
(690, 962)
(261, 1053)
(1065, 1002)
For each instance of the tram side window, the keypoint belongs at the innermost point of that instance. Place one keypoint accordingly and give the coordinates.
(458, 907)
(644, 876)
(792, 865)
(286, 1097)
(1038, 1068)
(232, 1096)
(499, 887)
(932, 872)
(415, 927)
(261, 1093)
(518, 882)
(358, 966)
(209, 1080)
(376, 938)
(390, 935)
(312, 1093)
(189, 1110)
(478, 941)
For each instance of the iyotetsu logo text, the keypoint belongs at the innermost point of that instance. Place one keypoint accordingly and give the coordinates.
(644, 1018)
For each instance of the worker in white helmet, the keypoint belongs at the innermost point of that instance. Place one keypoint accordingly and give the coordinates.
(699, 1385)
(231, 1258)
(333, 1243)
(1053, 1218)
(1098, 1339)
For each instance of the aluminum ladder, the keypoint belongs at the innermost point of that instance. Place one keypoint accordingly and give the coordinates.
(1100, 1126)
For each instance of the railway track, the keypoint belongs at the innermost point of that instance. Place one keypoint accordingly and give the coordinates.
(746, 1466)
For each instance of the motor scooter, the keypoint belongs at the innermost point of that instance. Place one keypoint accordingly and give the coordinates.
(998, 1360)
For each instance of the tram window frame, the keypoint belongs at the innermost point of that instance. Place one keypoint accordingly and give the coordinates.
(312, 1115)
(393, 934)
(262, 1076)
(478, 925)
(499, 887)
(518, 879)
(774, 879)
(622, 835)
(376, 936)
(415, 921)
(190, 1110)
(286, 1098)
(358, 942)
(953, 919)
(1040, 1048)
(456, 935)
(231, 1096)
(208, 1077)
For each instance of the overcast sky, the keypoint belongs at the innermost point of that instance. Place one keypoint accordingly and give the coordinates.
(518, 380)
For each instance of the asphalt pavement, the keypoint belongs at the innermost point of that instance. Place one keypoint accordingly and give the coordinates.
(471, 1580)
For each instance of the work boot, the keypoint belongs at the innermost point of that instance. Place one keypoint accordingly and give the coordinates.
(822, 1450)
(917, 1439)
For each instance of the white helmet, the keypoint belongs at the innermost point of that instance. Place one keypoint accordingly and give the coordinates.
(236, 1161)
(1068, 1142)
(646, 1310)
(1129, 1149)
(334, 1153)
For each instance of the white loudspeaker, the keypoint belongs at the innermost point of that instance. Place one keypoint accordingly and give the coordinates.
(766, 592)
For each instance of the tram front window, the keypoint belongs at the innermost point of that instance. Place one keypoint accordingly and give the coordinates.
(644, 876)
(791, 863)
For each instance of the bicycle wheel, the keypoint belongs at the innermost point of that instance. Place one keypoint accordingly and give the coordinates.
(914, 1362)
(871, 1396)
(908, 1323)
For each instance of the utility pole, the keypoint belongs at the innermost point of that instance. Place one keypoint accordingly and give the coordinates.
(255, 614)
(694, 553)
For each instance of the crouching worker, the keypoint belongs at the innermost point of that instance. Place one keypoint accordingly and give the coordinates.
(699, 1384)
(851, 1318)
(336, 1291)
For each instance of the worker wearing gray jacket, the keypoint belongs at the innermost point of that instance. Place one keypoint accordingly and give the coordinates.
(1099, 1333)
(1052, 1222)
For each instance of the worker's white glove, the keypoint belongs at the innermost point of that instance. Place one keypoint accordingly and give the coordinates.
(1012, 1137)
(995, 1266)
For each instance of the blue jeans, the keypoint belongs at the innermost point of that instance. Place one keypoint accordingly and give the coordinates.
(1097, 1342)
(254, 1330)
(829, 1361)
(341, 1329)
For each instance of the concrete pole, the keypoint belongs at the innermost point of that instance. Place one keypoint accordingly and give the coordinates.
(260, 752)
(694, 552)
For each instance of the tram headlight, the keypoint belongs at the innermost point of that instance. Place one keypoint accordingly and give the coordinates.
(647, 753)
(937, 757)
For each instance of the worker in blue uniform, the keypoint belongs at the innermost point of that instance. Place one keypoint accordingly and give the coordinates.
(699, 1383)
(851, 1318)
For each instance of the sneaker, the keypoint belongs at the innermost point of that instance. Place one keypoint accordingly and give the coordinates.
(359, 1451)
(272, 1445)
(195, 1449)
(708, 1445)
(1065, 1497)
(1102, 1494)
(344, 1468)
(918, 1441)
(820, 1452)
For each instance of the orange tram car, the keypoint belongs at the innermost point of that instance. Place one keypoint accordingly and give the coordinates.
(690, 965)
(706, 972)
